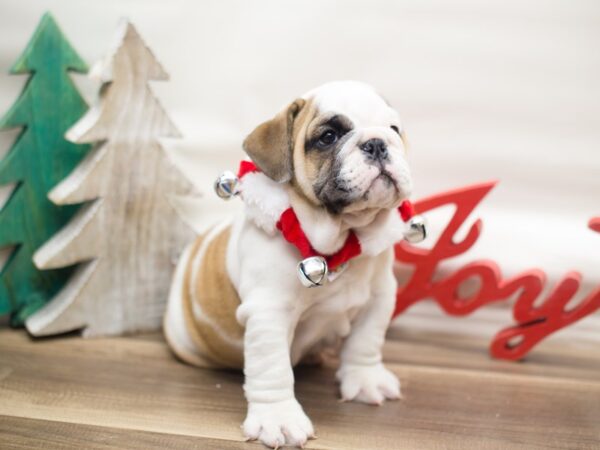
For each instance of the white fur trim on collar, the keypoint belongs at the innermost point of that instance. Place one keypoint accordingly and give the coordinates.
(386, 230)
(266, 200)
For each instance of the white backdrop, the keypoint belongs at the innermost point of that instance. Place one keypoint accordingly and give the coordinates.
(506, 90)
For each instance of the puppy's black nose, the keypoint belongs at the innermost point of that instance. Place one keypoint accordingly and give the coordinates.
(375, 148)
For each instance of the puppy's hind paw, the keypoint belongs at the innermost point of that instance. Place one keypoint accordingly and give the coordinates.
(368, 384)
(278, 424)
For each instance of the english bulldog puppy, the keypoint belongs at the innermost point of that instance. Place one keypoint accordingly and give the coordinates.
(337, 157)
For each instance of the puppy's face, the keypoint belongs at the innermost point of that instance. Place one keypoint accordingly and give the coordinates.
(341, 146)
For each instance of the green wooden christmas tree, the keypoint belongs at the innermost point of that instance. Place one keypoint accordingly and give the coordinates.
(39, 158)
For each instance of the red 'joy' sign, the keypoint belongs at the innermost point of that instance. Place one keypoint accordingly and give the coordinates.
(533, 323)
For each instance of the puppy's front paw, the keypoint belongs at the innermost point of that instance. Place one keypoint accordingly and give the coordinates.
(368, 384)
(277, 424)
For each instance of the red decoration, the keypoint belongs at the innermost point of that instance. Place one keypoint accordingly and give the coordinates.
(290, 228)
(407, 210)
(246, 167)
(532, 323)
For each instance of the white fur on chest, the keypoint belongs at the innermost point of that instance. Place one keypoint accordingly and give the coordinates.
(321, 315)
(331, 310)
(262, 265)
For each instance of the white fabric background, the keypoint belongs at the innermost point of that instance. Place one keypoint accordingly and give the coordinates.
(506, 90)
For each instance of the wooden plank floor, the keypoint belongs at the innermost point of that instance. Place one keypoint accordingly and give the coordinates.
(131, 393)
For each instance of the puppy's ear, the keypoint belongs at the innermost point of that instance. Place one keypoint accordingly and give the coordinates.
(404, 140)
(270, 145)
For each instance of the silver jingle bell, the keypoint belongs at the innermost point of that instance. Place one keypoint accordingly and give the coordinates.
(313, 271)
(416, 231)
(226, 186)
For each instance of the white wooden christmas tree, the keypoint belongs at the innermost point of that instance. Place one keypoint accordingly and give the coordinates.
(127, 235)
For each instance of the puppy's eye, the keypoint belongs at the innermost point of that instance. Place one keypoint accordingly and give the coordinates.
(395, 128)
(327, 138)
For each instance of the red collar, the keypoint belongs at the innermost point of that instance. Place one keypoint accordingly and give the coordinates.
(290, 228)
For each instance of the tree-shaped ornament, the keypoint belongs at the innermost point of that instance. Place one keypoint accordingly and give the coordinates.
(126, 236)
(39, 158)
